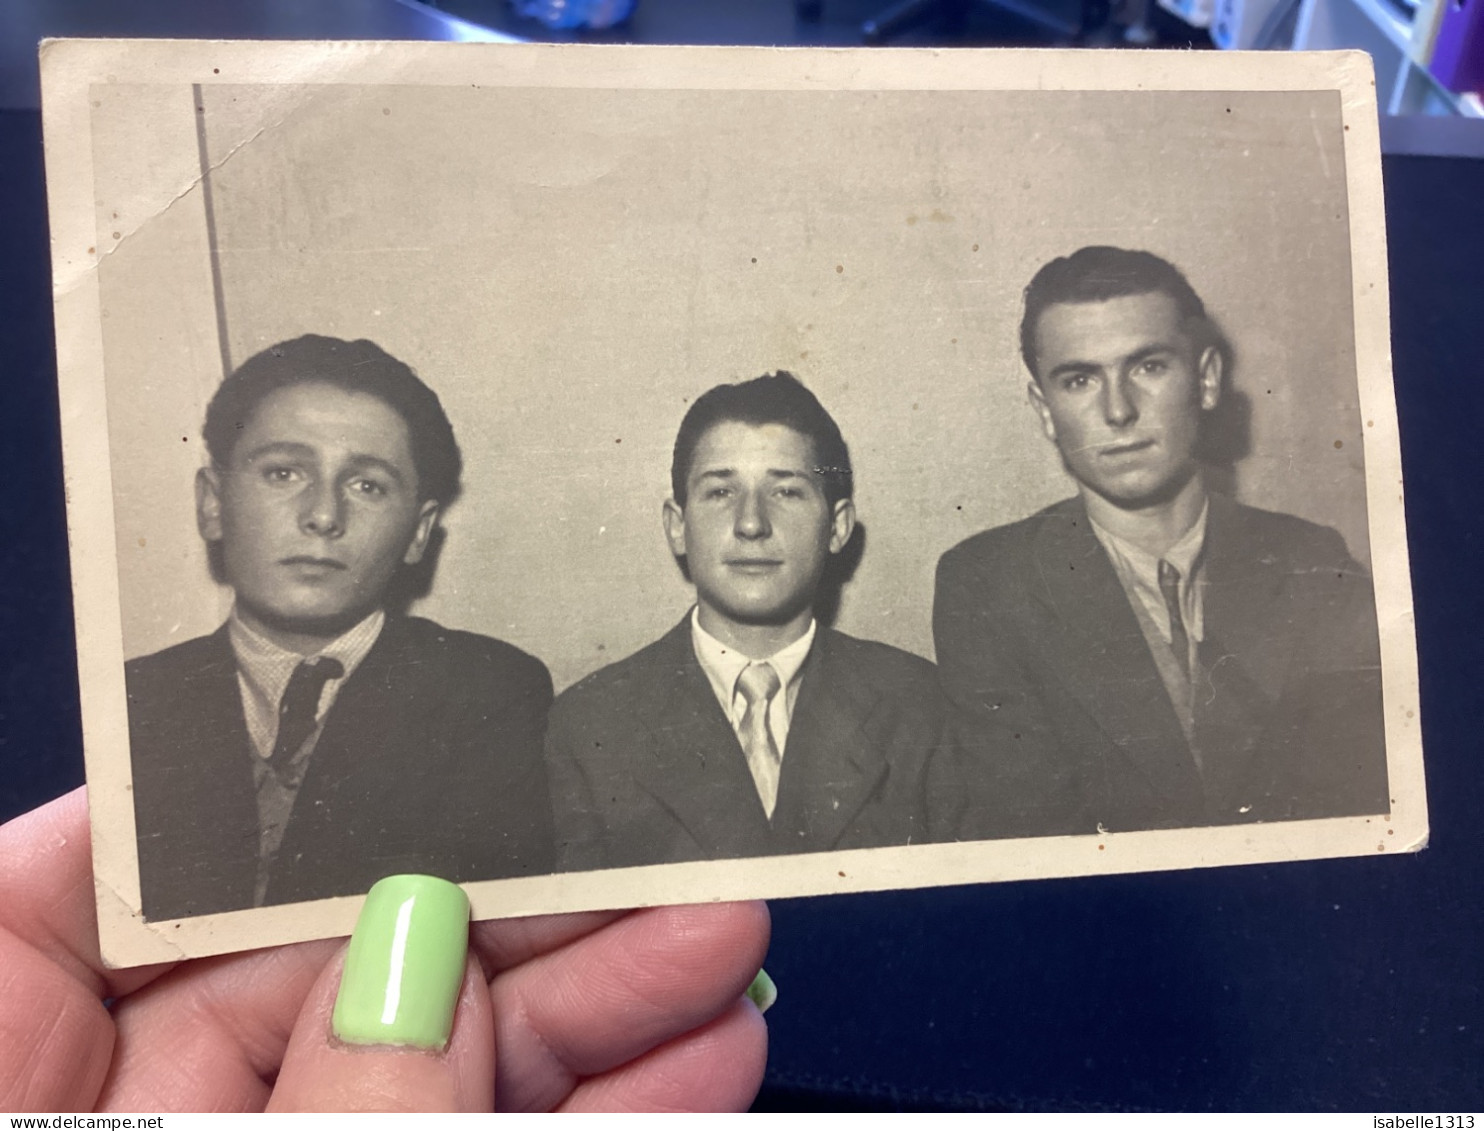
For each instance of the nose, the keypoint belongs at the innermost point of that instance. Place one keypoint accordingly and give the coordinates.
(323, 510)
(1120, 408)
(752, 517)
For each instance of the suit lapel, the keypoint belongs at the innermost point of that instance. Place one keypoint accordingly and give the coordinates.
(373, 712)
(693, 764)
(1243, 580)
(830, 767)
(212, 789)
(1240, 673)
(215, 683)
(1103, 657)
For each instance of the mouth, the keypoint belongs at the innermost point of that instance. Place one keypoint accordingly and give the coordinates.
(1129, 448)
(754, 566)
(312, 564)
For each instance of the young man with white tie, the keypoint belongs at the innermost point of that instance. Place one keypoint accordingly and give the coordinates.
(749, 729)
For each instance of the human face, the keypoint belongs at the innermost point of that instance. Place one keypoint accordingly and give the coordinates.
(1120, 389)
(756, 529)
(316, 512)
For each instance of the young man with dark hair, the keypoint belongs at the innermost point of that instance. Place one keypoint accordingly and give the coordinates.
(749, 729)
(320, 740)
(1149, 654)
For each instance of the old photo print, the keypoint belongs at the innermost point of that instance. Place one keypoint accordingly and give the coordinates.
(617, 476)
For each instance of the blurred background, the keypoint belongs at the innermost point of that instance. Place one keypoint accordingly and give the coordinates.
(1329, 985)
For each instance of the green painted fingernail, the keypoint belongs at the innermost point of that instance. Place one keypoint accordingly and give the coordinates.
(762, 991)
(405, 964)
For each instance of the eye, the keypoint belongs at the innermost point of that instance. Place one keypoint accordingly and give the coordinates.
(368, 488)
(790, 492)
(281, 473)
(1154, 366)
(1076, 382)
(717, 492)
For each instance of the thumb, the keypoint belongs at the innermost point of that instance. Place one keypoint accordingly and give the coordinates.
(410, 1027)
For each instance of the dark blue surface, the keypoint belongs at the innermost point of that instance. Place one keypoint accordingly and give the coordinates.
(1350, 984)
(40, 736)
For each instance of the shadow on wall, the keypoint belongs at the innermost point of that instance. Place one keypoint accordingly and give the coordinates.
(837, 575)
(1226, 431)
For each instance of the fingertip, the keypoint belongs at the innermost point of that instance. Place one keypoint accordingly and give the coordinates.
(751, 1034)
(717, 1067)
(737, 933)
(734, 1052)
(754, 926)
(755, 917)
(621, 993)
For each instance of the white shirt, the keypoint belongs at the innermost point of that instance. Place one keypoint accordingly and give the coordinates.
(1139, 572)
(723, 665)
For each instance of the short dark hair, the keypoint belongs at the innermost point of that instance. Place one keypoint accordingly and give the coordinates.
(778, 398)
(359, 367)
(1096, 274)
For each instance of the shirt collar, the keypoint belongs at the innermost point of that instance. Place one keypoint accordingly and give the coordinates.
(1182, 555)
(723, 665)
(266, 667)
(1141, 569)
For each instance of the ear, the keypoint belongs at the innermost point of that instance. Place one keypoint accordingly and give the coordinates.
(1043, 410)
(427, 518)
(842, 525)
(209, 504)
(674, 519)
(1211, 365)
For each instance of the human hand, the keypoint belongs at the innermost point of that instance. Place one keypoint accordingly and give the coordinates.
(638, 1010)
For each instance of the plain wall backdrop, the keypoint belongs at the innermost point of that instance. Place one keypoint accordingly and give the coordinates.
(570, 268)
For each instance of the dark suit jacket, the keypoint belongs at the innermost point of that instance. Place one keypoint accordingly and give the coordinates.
(429, 761)
(646, 769)
(1065, 724)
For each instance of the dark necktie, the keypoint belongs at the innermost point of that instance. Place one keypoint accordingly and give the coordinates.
(296, 711)
(1169, 587)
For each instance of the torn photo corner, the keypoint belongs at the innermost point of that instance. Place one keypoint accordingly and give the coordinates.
(614, 476)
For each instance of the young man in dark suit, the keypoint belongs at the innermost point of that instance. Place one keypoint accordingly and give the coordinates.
(749, 729)
(320, 739)
(1149, 654)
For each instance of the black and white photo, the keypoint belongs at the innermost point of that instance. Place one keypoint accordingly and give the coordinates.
(617, 476)
(305, 748)
(1150, 654)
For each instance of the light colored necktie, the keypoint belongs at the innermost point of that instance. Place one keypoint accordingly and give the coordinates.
(758, 684)
(1169, 587)
(1183, 693)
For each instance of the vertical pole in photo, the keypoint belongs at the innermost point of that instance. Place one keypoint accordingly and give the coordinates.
(218, 299)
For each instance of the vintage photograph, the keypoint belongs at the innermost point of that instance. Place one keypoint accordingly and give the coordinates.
(618, 476)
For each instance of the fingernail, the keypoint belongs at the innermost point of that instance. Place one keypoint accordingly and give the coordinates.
(762, 992)
(405, 964)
